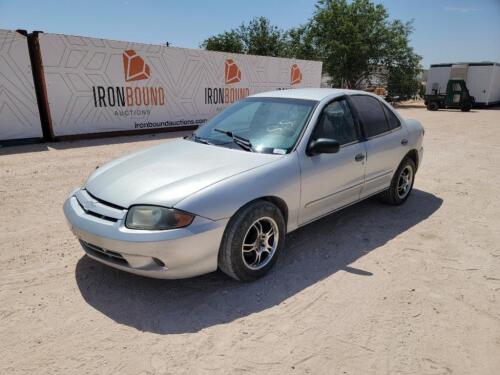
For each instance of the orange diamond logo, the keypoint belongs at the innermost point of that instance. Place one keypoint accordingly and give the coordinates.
(134, 67)
(232, 73)
(295, 75)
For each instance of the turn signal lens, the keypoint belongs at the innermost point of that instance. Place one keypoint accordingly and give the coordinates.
(157, 218)
(182, 219)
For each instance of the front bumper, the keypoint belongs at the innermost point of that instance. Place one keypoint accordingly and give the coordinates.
(170, 254)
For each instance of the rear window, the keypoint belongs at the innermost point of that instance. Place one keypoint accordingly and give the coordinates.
(391, 118)
(371, 114)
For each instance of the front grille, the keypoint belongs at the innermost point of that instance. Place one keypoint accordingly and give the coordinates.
(104, 254)
(99, 208)
(104, 202)
(96, 214)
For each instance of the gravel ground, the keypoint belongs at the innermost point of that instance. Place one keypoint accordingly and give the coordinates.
(370, 290)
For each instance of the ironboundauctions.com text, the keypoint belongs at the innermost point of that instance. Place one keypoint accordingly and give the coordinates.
(166, 124)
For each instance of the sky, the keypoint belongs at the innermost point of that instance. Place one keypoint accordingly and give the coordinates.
(445, 30)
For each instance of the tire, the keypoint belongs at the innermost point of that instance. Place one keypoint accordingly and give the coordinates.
(395, 195)
(466, 107)
(433, 106)
(243, 245)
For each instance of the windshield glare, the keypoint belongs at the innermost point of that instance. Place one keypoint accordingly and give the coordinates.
(272, 125)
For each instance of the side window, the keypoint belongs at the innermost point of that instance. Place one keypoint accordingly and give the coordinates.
(336, 122)
(372, 115)
(391, 118)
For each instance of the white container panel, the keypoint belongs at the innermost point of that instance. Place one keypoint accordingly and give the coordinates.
(97, 85)
(19, 117)
(438, 77)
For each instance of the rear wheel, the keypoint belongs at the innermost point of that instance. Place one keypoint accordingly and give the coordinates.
(252, 241)
(433, 106)
(401, 184)
(466, 107)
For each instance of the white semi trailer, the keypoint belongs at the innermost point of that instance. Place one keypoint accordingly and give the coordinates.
(482, 80)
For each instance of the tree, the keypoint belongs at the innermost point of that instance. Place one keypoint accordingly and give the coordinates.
(297, 44)
(356, 39)
(403, 84)
(228, 41)
(258, 37)
(262, 38)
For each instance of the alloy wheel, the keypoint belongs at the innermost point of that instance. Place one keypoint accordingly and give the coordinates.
(260, 243)
(405, 181)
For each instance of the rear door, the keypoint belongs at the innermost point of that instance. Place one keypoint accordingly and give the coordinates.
(385, 142)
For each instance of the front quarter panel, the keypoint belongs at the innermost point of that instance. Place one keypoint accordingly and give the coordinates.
(279, 179)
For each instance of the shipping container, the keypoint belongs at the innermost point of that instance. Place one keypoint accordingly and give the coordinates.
(100, 86)
(19, 116)
(482, 80)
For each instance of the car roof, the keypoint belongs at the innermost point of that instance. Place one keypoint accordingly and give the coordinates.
(309, 93)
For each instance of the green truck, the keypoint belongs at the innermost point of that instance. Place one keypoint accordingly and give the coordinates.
(456, 96)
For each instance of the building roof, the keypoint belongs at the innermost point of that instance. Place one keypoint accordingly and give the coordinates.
(481, 63)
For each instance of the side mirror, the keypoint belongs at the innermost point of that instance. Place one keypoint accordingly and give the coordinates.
(323, 146)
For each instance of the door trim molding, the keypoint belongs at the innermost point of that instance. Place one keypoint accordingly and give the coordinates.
(309, 204)
(340, 208)
(379, 176)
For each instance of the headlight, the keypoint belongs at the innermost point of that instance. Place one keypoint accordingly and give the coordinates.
(156, 218)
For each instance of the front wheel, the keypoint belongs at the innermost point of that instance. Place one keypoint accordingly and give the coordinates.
(401, 184)
(252, 241)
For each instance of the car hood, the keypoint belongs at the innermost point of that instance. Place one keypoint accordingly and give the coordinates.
(167, 173)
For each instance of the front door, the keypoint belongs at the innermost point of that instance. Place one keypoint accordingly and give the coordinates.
(331, 181)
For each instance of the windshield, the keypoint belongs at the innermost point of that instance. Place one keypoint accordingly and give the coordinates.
(269, 125)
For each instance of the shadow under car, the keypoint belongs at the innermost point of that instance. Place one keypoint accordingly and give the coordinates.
(312, 253)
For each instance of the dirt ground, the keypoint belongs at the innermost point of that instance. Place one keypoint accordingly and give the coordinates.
(370, 290)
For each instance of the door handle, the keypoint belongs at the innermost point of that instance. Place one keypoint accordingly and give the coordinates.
(359, 157)
(404, 142)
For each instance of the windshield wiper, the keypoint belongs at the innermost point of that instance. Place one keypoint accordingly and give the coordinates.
(244, 143)
(205, 141)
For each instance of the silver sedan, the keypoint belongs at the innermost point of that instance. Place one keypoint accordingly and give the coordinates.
(226, 196)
